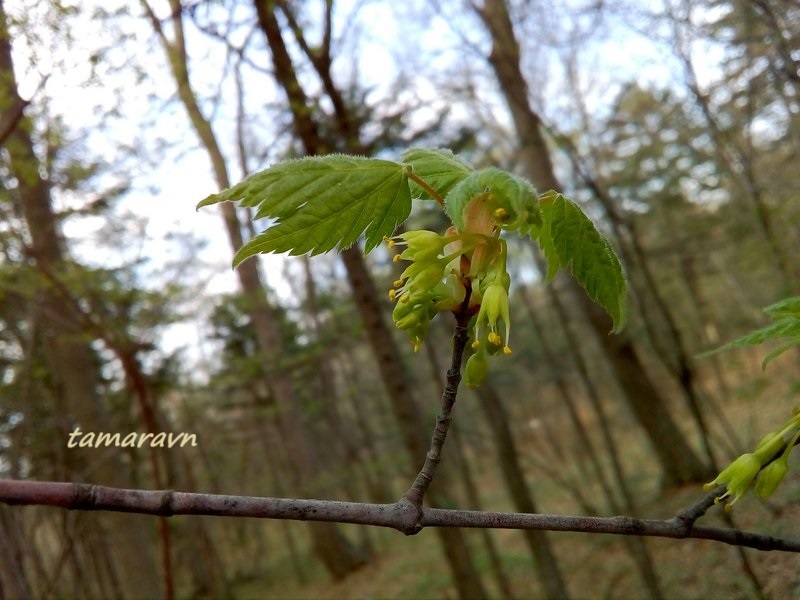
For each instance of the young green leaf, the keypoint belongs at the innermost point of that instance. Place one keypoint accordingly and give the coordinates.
(544, 236)
(785, 328)
(320, 203)
(773, 354)
(570, 240)
(788, 307)
(511, 200)
(440, 168)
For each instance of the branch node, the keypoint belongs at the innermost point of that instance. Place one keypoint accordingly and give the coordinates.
(84, 496)
(411, 514)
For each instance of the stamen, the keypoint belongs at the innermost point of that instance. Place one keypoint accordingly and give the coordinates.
(397, 283)
(500, 213)
(475, 345)
(395, 258)
(507, 351)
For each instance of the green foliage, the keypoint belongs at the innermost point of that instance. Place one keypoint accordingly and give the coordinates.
(570, 240)
(321, 203)
(510, 200)
(784, 328)
(764, 469)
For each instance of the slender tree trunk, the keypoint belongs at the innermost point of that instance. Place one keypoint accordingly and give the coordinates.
(346, 451)
(336, 552)
(465, 575)
(738, 162)
(407, 414)
(670, 350)
(465, 471)
(538, 541)
(380, 486)
(709, 338)
(678, 461)
(13, 574)
(345, 459)
(209, 574)
(72, 362)
(636, 547)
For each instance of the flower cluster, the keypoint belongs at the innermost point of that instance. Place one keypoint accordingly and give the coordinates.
(764, 468)
(451, 272)
(421, 291)
(489, 337)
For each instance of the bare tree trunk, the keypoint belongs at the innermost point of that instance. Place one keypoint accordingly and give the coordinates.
(738, 161)
(465, 471)
(208, 574)
(546, 562)
(678, 461)
(72, 363)
(407, 414)
(380, 486)
(465, 576)
(670, 350)
(346, 451)
(13, 578)
(336, 552)
(637, 547)
(709, 338)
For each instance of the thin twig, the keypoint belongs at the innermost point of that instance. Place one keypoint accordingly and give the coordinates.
(425, 186)
(401, 515)
(416, 492)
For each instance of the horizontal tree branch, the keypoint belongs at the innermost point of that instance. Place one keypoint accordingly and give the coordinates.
(402, 515)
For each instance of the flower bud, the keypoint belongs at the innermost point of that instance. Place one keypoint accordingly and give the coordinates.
(771, 476)
(769, 446)
(476, 370)
(422, 245)
(401, 310)
(410, 320)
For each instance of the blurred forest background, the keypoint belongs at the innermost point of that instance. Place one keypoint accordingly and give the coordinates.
(675, 123)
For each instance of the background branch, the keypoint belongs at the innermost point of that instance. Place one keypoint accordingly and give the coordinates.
(401, 515)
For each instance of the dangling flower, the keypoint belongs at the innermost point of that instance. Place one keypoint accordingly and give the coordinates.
(414, 319)
(494, 306)
(738, 476)
(770, 477)
(421, 245)
(766, 466)
(426, 268)
(419, 279)
(442, 267)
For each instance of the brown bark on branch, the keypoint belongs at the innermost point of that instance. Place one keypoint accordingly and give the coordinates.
(401, 515)
(424, 478)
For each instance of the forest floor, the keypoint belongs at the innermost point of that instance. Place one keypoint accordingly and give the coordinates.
(594, 566)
